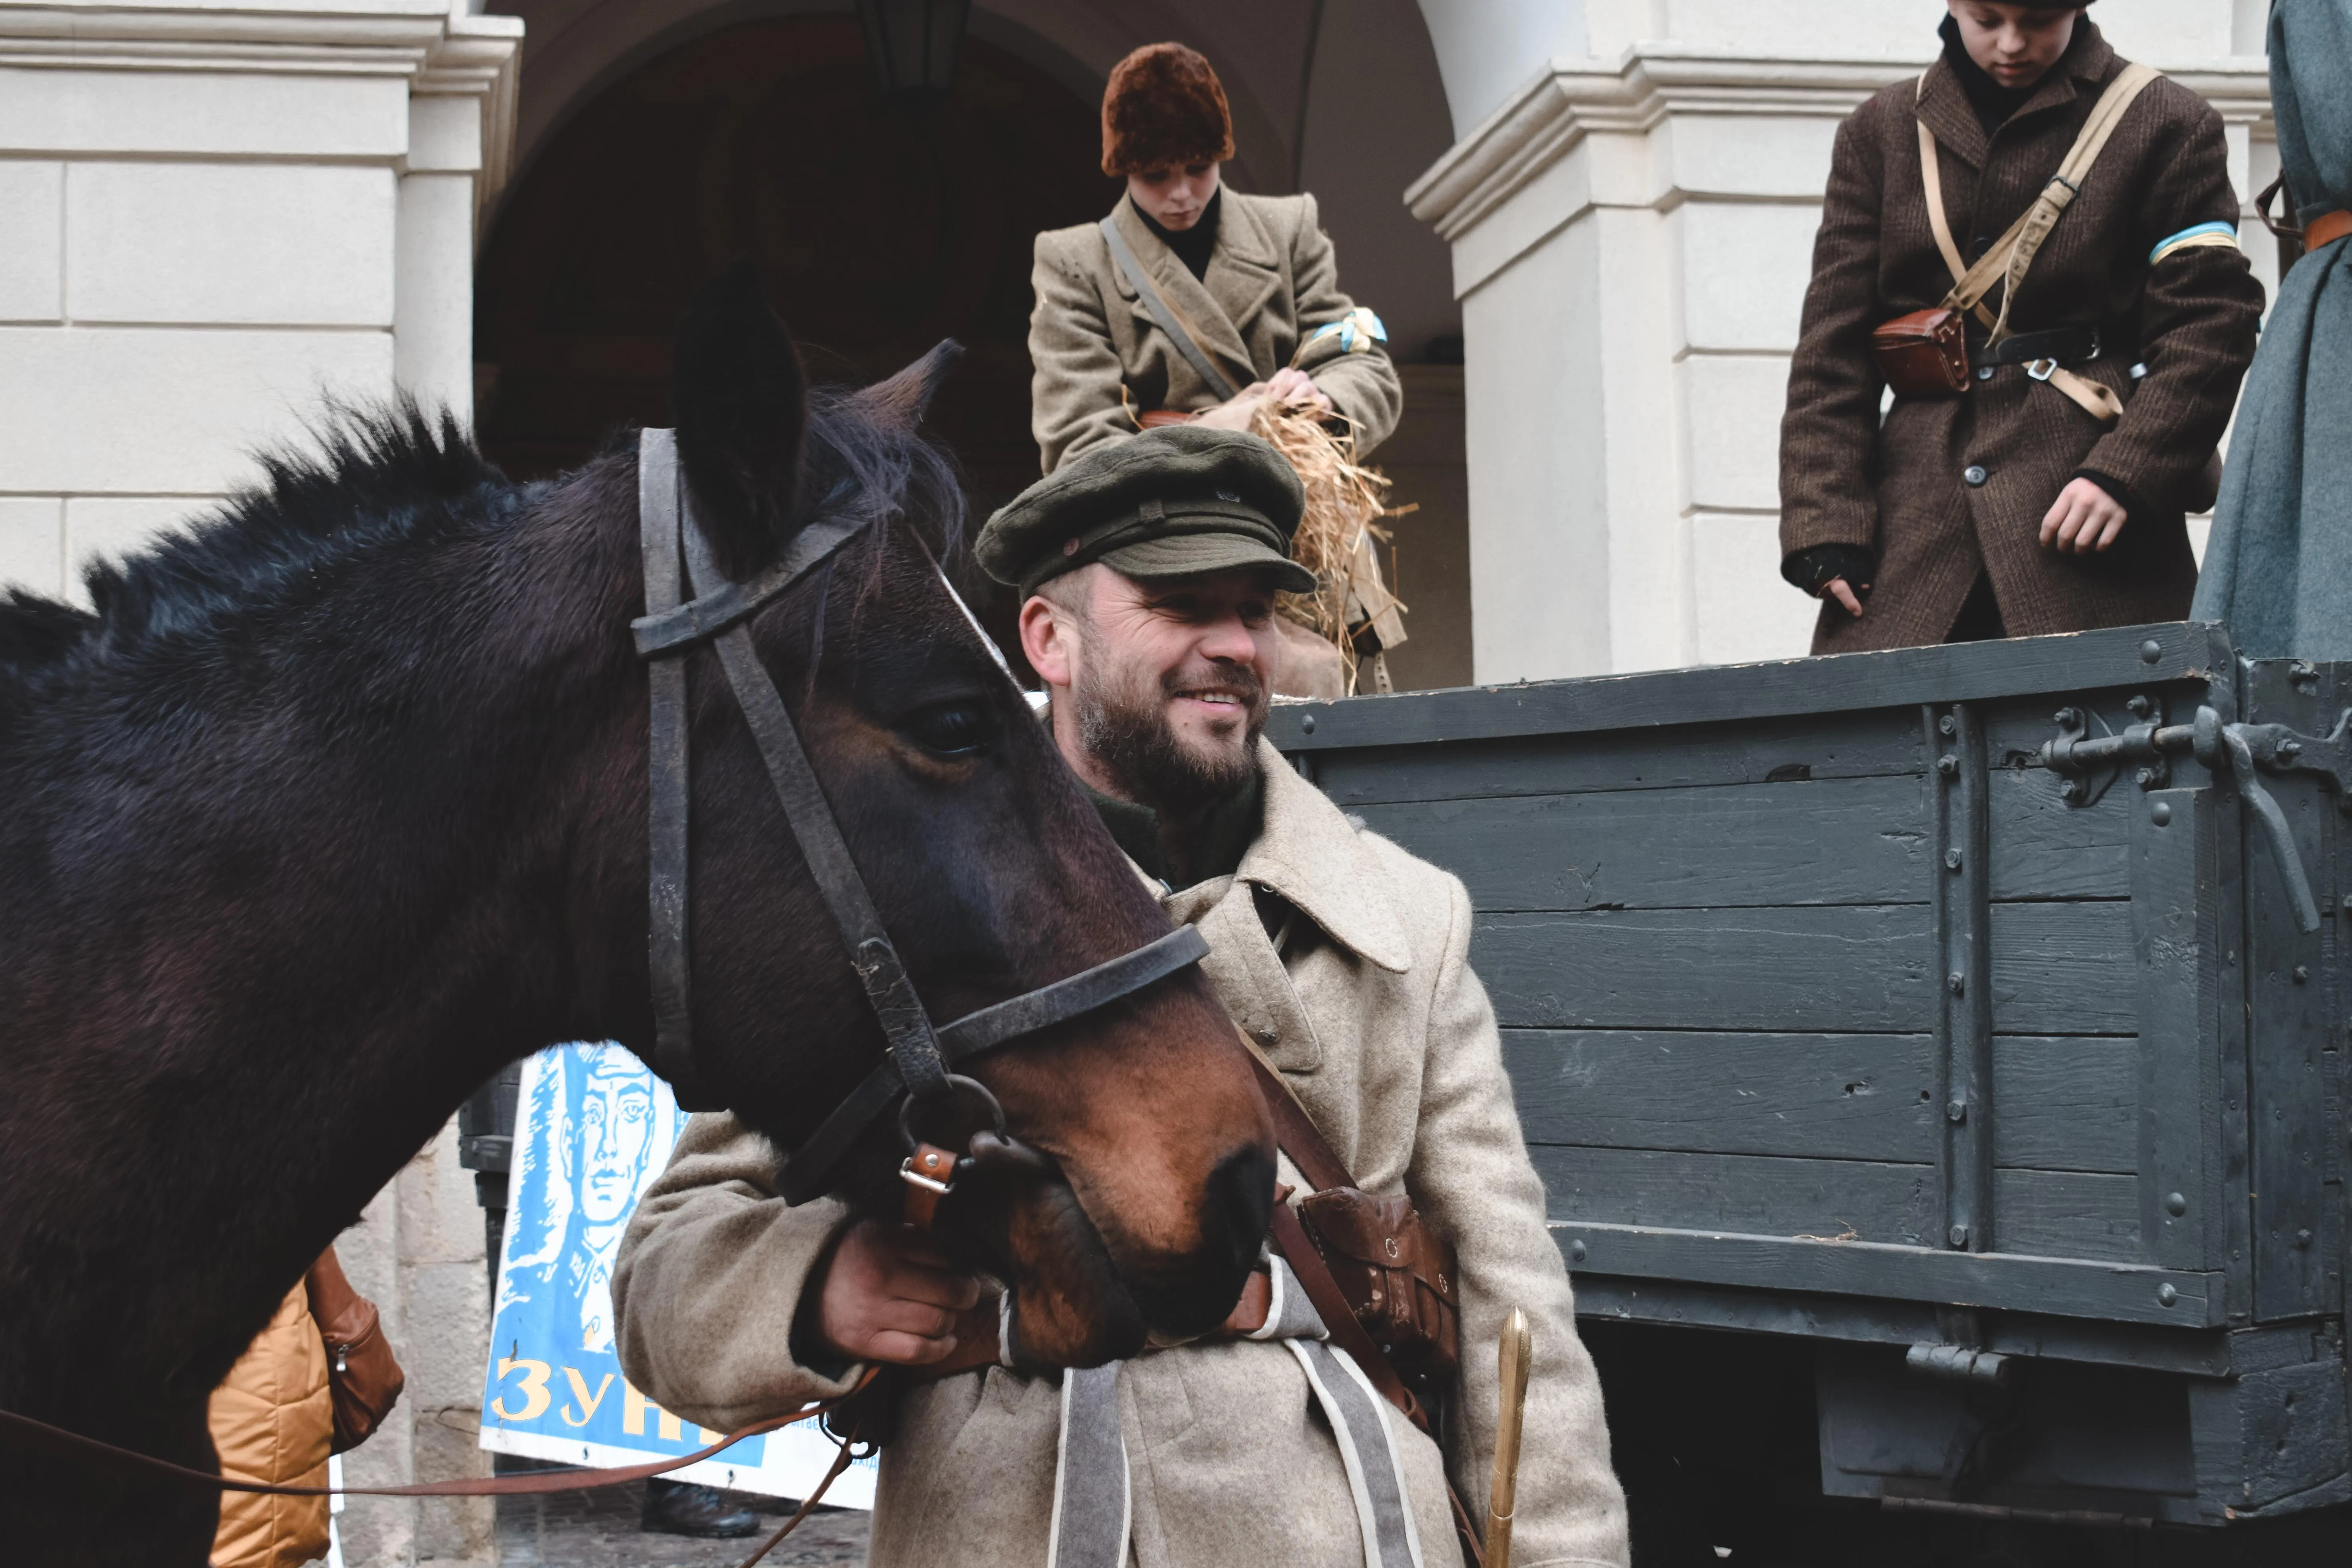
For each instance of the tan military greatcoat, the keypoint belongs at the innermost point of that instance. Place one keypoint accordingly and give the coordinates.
(1947, 488)
(1101, 359)
(1374, 1017)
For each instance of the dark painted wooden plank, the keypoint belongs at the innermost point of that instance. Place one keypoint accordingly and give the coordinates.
(1862, 969)
(2044, 848)
(1809, 746)
(1905, 677)
(1850, 1096)
(2066, 1103)
(2067, 1214)
(1859, 1199)
(1820, 841)
(1869, 1319)
(2063, 969)
(2055, 1285)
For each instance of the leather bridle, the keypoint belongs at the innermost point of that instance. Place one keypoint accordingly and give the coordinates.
(919, 1059)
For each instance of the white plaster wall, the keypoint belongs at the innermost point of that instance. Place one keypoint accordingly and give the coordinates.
(216, 223)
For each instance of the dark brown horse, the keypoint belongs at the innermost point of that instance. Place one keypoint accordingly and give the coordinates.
(332, 809)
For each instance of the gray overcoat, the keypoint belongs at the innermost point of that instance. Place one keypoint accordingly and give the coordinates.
(1378, 1024)
(1947, 488)
(2278, 566)
(1101, 358)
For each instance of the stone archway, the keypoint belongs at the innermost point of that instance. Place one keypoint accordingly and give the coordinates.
(877, 232)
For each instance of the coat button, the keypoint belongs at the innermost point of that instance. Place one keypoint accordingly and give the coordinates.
(1975, 474)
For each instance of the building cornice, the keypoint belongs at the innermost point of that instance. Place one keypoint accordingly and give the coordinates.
(1575, 99)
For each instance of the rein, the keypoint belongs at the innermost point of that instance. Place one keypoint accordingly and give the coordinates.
(918, 1057)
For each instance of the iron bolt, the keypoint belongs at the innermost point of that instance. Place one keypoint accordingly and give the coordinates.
(2149, 652)
(1952, 859)
(1576, 1252)
(2302, 1239)
(1948, 725)
(1959, 1235)
(1306, 723)
(1958, 1111)
(2144, 777)
(2174, 1205)
(2139, 707)
(2290, 748)
(2067, 718)
(2301, 974)
(2160, 814)
(1948, 767)
(1957, 981)
(2166, 1295)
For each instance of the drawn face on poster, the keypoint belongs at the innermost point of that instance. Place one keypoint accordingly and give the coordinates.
(608, 1134)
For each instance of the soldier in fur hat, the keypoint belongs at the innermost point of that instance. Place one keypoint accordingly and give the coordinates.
(2046, 437)
(1191, 300)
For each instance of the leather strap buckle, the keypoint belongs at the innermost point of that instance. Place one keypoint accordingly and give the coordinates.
(2040, 369)
(930, 1174)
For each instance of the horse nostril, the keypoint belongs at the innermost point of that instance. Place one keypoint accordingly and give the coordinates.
(1239, 1200)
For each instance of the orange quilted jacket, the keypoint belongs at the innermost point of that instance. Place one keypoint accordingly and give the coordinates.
(272, 1420)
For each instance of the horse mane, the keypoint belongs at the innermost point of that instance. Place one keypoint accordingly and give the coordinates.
(383, 476)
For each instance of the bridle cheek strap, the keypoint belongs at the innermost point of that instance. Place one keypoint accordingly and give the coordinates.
(678, 560)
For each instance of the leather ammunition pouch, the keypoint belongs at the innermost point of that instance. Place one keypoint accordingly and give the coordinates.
(1923, 354)
(1398, 1275)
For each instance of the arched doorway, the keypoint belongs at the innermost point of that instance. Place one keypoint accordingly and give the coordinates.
(878, 232)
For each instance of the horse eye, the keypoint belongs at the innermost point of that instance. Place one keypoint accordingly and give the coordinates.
(952, 729)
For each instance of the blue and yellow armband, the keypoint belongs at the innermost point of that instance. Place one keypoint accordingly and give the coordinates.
(1358, 330)
(2188, 238)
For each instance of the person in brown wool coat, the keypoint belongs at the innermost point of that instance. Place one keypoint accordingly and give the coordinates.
(2045, 490)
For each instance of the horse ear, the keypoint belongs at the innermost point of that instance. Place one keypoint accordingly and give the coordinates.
(743, 415)
(901, 402)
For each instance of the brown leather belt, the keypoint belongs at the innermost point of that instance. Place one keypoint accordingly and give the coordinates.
(2325, 230)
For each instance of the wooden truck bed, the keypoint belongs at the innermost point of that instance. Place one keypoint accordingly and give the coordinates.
(1948, 1010)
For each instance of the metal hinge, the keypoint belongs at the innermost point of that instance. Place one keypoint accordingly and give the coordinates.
(2241, 751)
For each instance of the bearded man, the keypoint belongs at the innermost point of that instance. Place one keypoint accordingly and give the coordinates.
(1148, 571)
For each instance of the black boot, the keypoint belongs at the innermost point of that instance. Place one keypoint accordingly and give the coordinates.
(681, 1508)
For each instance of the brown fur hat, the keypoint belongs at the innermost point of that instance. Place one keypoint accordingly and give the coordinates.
(1164, 106)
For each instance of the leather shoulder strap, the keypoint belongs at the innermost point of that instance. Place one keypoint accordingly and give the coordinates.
(2007, 261)
(1931, 175)
(1293, 1129)
(1162, 312)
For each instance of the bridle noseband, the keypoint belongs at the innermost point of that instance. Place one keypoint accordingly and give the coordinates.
(919, 1059)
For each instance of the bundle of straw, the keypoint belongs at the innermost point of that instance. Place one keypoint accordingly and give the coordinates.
(1345, 502)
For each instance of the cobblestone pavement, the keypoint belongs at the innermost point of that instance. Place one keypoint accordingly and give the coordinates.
(599, 1530)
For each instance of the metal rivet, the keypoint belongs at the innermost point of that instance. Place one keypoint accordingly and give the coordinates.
(2160, 814)
(1958, 1111)
(2301, 974)
(2141, 707)
(1576, 1252)
(1960, 1236)
(2144, 777)
(2149, 652)
(2303, 1238)
(2174, 1205)
(2166, 1295)
(1948, 725)
(1952, 859)
(1975, 475)
(1948, 767)
(1957, 981)
(1306, 723)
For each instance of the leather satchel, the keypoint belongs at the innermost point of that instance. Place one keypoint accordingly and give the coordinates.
(363, 1378)
(1399, 1276)
(1923, 354)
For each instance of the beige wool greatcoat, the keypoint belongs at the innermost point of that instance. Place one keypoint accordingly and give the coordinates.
(1902, 488)
(1101, 358)
(1374, 1017)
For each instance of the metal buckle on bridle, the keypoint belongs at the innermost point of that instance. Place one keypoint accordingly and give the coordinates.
(2040, 369)
(687, 601)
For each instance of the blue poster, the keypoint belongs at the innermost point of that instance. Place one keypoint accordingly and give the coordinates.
(594, 1127)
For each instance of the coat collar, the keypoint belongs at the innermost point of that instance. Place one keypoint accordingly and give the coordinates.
(1242, 276)
(1944, 108)
(1310, 854)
